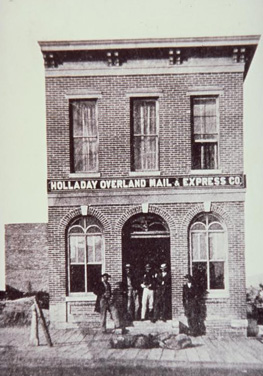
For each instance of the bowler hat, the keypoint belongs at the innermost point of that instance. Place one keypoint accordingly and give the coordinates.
(147, 266)
(163, 266)
(106, 275)
(189, 277)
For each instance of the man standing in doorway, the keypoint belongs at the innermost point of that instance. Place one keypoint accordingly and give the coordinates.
(131, 292)
(148, 285)
(162, 293)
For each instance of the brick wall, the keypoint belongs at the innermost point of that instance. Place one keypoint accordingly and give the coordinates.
(175, 159)
(178, 217)
(27, 256)
(174, 120)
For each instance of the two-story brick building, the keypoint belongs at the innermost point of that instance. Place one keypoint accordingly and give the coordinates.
(145, 165)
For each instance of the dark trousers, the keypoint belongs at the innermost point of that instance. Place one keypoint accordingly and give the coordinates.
(160, 304)
(105, 306)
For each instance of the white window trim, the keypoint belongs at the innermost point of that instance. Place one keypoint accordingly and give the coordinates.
(89, 296)
(205, 172)
(95, 98)
(76, 297)
(217, 97)
(142, 92)
(214, 293)
(205, 91)
(157, 171)
(145, 173)
(83, 94)
(84, 175)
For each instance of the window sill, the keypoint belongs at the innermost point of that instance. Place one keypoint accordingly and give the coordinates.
(78, 297)
(205, 172)
(144, 173)
(214, 295)
(85, 175)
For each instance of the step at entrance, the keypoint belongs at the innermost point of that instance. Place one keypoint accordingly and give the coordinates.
(147, 327)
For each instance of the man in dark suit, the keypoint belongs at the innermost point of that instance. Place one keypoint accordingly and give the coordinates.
(104, 303)
(194, 305)
(131, 293)
(162, 293)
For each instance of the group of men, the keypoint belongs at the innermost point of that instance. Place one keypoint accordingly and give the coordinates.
(150, 295)
(145, 296)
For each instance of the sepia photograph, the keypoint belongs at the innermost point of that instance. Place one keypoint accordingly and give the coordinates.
(131, 187)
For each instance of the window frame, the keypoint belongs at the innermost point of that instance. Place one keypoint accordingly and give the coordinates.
(204, 142)
(213, 293)
(85, 235)
(73, 171)
(133, 169)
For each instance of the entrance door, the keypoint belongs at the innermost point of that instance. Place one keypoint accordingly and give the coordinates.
(146, 240)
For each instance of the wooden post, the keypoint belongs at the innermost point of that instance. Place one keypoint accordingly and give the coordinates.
(43, 322)
(34, 338)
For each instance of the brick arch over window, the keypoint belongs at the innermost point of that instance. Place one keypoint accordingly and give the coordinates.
(216, 209)
(138, 209)
(65, 221)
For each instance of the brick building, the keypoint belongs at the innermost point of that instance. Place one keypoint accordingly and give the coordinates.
(145, 165)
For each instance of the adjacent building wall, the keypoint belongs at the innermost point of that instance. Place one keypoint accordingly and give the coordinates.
(27, 256)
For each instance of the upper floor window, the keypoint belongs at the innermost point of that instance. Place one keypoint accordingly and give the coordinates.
(144, 135)
(208, 249)
(85, 254)
(205, 133)
(84, 131)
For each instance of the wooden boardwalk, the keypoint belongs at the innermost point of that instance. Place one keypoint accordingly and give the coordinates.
(80, 345)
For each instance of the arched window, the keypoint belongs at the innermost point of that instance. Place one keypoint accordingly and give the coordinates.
(208, 250)
(85, 254)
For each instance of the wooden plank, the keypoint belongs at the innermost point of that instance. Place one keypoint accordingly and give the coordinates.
(105, 354)
(212, 349)
(118, 354)
(155, 354)
(168, 354)
(191, 354)
(142, 354)
(257, 346)
(131, 353)
(64, 336)
(43, 322)
(232, 350)
(202, 350)
(248, 353)
(180, 356)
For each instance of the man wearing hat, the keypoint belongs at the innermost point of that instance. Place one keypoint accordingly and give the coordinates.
(194, 305)
(162, 293)
(131, 293)
(148, 285)
(104, 303)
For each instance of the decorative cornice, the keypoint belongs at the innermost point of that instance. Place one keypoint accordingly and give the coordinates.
(148, 53)
(175, 56)
(239, 55)
(149, 43)
(50, 60)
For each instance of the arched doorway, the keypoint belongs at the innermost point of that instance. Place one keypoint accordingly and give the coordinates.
(146, 240)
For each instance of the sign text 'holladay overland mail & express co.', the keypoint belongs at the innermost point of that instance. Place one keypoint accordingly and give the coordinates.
(135, 183)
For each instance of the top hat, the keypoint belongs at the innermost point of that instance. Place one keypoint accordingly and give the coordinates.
(105, 275)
